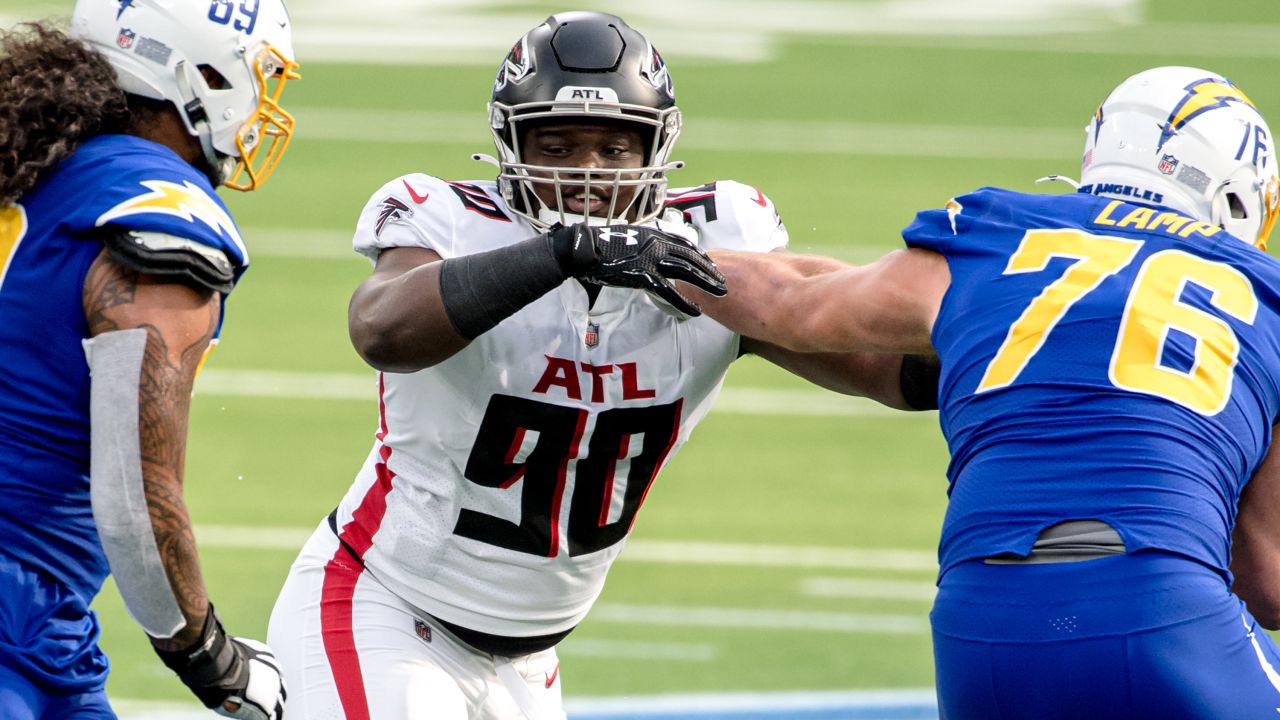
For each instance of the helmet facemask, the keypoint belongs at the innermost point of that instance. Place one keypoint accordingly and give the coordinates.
(645, 185)
(262, 140)
(1270, 210)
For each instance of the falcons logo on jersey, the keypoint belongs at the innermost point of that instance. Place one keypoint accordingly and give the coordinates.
(391, 209)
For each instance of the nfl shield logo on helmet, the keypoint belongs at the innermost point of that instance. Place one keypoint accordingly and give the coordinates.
(592, 337)
(125, 38)
(1168, 164)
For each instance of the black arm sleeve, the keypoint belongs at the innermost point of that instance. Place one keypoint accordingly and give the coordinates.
(479, 291)
(173, 258)
(918, 379)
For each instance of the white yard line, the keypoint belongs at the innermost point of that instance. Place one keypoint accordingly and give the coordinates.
(288, 385)
(299, 243)
(840, 587)
(899, 704)
(453, 32)
(670, 552)
(476, 32)
(251, 537)
(632, 650)
(303, 243)
(769, 401)
(1196, 42)
(724, 134)
(752, 619)
(674, 552)
(218, 382)
(695, 704)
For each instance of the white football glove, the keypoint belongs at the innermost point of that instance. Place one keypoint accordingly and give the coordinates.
(263, 693)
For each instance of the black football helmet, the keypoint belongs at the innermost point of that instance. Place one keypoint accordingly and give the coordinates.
(589, 66)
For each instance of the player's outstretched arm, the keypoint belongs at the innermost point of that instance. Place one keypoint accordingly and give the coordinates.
(1255, 549)
(417, 310)
(148, 336)
(907, 382)
(810, 304)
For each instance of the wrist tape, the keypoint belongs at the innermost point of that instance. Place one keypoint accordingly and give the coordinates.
(208, 665)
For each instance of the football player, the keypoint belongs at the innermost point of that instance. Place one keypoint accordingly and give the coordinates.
(115, 257)
(1109, 388)
(538, 370)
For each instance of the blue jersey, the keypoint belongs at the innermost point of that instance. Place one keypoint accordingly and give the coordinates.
(47, 243)
(1099, 360)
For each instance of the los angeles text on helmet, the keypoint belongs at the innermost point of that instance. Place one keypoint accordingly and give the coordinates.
(1128, 191)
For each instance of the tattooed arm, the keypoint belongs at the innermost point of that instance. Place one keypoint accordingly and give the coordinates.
(180, 322)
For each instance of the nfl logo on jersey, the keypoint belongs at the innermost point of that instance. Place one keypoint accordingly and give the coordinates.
(593, 334)
(1168, 164)
(125, 38)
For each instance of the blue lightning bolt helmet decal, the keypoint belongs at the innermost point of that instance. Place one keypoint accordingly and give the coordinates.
(1202, 96)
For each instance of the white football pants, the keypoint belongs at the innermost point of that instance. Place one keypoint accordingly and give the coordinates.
(351, 650)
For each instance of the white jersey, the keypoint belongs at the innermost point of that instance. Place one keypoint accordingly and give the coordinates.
(505, 480)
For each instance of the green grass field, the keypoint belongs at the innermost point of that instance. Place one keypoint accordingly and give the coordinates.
(807, 524)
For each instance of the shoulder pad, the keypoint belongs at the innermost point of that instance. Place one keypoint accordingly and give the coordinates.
(951, 228)
(182, 260)
(417, 210)
(182, 209)
(132, 185)
(731, 215)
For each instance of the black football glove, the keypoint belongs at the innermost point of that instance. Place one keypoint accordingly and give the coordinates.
(220, 669)
(644, 258)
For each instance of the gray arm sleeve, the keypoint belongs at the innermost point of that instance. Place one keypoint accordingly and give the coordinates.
(115, 482)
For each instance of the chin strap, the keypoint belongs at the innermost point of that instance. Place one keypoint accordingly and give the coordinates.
(217, 167)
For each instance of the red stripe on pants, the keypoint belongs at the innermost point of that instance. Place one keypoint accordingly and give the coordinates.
(340, 576)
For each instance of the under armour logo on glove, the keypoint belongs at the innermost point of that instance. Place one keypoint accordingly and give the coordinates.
(630, 236)
(643, 258)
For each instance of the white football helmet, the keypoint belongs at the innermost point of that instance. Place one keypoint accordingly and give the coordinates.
(1189, 139)
(159, 48)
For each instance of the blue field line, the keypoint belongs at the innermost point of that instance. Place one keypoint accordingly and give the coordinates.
(918, 704)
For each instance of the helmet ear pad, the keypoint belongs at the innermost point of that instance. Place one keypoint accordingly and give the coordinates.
(1244, 205)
